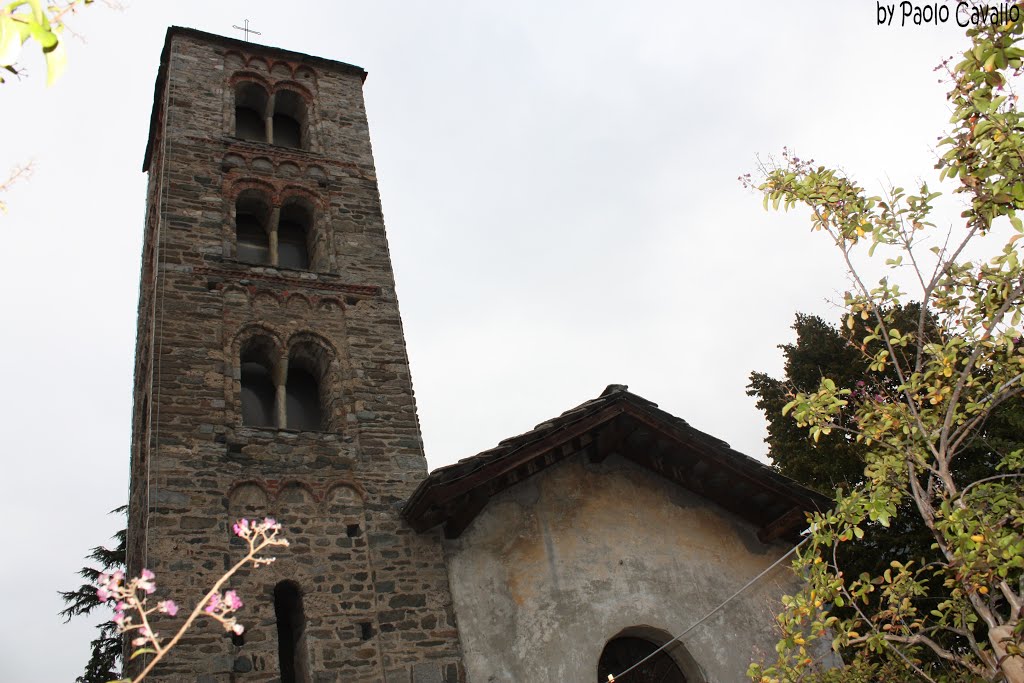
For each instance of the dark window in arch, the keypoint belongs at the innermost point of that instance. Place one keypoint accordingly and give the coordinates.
(250, 108)
(293, 237)
(303, 400)
(258, 391)
(287, 131)
(251, 237)
(289, 119)
(623, 652)
(291, 624)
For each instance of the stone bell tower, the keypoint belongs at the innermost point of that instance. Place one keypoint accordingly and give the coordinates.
(272, 378)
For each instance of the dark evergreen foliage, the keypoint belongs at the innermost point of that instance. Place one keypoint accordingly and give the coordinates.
(105, 661)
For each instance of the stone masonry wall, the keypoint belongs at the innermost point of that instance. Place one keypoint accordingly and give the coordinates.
(375, 594)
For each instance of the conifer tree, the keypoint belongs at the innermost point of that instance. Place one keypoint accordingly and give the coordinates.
(105, 660)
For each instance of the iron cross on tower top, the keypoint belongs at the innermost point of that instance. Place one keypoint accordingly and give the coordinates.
(247, 30)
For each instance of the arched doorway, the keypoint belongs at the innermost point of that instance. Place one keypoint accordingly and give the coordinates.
(624, 651)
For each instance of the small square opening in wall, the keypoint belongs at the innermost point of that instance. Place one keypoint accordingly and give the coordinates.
(352, 530)
(366, 630)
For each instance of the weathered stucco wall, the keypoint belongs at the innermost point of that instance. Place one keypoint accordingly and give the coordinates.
(558, 565)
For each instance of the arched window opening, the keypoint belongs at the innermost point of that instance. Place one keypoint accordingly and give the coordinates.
(289, 119)
(250, 112)
(293, 237)
(307, 366)
(291, 624)
(251, 237)
(623, 652)
(303, 400)
(258, 392)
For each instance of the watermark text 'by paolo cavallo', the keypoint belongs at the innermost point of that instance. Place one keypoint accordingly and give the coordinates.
(963, 14)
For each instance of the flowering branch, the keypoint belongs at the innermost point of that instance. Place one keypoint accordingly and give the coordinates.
(132, 614)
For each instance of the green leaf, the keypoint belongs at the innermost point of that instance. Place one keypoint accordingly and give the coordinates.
(38, 15)
(143, 651)
(43, 36)
(56, 62)
(10, 41)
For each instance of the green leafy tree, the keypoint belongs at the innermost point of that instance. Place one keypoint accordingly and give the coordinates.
(105, 660)
(946, 374)
(837, 460)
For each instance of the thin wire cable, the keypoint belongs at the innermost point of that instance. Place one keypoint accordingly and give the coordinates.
(707, 616)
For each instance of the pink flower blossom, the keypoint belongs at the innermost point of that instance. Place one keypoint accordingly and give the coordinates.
(241, 528)
(233, 601)
(168, 607)
(237, 628)
(212, 605)
(109, 585)
(146, 582)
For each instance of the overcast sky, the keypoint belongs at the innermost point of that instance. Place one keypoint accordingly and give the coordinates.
(559, 185)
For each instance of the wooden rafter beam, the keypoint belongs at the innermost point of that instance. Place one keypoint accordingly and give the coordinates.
(782, 525)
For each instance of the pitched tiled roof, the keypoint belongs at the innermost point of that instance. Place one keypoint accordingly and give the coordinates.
(618, 422)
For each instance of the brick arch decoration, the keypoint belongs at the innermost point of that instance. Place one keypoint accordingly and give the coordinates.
(235, 59)
(304, 73)
(230, 289)
(297, 299)
(289, 192)
(234, 187)
(286, 486)
(256, 329)
(296, 87)
(254, 61)
(358, 493)
(248, 164)
(248, 497)
(329, 304)
(251, 77)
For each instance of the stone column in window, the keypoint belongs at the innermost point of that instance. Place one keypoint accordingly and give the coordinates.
(275, 218)
(269, 118)
(280, 388)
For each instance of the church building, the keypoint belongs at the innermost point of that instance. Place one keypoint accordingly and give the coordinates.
(272, 379)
